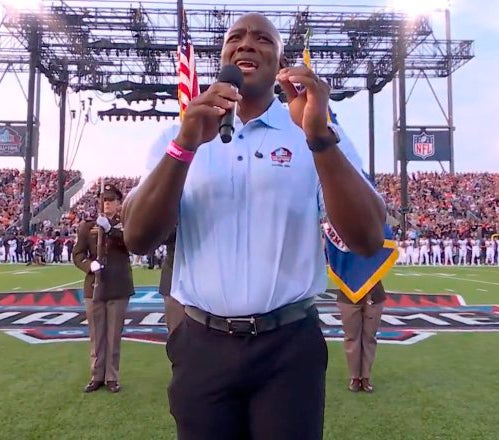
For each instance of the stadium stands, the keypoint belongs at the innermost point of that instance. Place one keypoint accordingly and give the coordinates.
(445, 205)
(43, 190)
(440, 206)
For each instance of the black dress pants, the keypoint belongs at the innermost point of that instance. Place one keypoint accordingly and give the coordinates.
(265, 387)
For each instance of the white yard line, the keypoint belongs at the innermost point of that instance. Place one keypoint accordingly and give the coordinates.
(449, 290)
(15, 288)
(473, 281)
(22, 267)
(62, 285)
(14, 272)
(482, 290)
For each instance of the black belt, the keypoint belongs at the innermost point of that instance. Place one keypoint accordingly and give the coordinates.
(252, 325)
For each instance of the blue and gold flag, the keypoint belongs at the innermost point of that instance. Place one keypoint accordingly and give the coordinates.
(355, 274)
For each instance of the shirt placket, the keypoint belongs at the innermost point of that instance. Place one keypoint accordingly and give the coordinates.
(241, 196)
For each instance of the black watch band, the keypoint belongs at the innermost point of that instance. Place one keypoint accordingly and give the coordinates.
(320, 144)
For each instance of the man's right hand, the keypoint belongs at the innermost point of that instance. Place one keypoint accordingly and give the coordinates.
(202, 117)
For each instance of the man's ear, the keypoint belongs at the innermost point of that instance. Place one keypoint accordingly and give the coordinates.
(283, 62)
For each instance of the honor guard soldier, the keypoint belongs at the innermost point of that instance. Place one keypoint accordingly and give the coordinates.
(360, 324)
(107, 288)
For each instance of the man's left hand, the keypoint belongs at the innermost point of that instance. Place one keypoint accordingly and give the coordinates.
(103, 222)
(308, 107)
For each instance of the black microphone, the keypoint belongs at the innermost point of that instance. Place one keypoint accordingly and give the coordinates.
(258, 155)
(233, 75)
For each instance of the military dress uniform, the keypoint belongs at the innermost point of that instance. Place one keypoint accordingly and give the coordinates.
(360, 325)
(105, 310)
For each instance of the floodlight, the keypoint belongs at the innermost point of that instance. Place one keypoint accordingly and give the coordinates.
(419, 7)
(23, 5)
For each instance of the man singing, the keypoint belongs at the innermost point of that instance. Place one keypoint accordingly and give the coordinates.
(249, 358)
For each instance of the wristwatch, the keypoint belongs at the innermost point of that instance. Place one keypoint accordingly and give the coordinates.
(321, 143)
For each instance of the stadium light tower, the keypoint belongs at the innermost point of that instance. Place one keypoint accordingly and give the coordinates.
(33, 30)
(414, 8)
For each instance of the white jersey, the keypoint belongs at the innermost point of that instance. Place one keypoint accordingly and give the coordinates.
(462, 245)
(489, 252)
(64, 254)
(448, 244)
(435, 243)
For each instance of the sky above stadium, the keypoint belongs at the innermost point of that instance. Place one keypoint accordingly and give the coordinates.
(120, 148)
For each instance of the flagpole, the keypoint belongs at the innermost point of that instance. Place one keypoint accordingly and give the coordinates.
(180, 19)
(180, 25)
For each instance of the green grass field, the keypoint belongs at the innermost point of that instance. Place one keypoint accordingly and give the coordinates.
(445, 387)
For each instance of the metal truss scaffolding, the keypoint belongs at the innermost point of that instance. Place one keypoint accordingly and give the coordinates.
(129, 49)
(118, 48)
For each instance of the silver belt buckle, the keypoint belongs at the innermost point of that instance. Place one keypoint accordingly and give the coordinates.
(241, 326)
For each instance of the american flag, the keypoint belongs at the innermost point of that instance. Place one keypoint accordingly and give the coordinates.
(188, 87)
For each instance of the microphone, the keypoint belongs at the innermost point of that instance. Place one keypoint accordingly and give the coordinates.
(258, 155)
(233, 75)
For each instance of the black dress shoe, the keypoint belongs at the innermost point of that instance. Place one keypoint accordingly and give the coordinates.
(113, 386)
(354, 385)
(367, 386)
(93, 385)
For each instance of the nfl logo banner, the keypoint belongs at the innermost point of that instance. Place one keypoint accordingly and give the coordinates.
(355, 274)
(423, 145)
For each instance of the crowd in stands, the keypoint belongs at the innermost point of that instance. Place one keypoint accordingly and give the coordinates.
(446, 205)
(43, 189)
(87, 206)
(50, 243)
(441, 207)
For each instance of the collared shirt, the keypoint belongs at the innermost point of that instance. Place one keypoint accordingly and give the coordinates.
(248, 239)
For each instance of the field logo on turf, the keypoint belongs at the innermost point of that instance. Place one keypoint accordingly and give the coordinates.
(42, 317)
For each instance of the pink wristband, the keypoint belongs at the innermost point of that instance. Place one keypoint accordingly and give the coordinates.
(177, 152)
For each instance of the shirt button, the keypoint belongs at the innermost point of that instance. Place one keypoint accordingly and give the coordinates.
(241, 136)
(239, 158)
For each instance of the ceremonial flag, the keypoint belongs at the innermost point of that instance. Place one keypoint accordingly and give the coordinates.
(355, 274)
(188, 86)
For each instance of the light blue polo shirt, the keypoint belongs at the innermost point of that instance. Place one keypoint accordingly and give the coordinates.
(248, 239)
